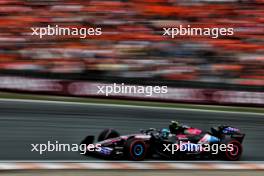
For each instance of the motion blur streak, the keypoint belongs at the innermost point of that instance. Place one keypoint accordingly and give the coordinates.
(23, 123)
(132, 44)
(133, 173)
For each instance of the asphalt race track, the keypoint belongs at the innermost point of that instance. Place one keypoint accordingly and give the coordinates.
(26, 123)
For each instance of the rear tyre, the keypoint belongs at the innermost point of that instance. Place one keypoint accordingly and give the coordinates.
(136, 149)
(107, 134)
(232, 153)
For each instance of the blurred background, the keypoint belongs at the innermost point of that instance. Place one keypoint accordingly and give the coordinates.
(132, 48)
(228, 70)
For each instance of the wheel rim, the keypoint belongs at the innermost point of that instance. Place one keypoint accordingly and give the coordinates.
(138, 149)
(236, 152)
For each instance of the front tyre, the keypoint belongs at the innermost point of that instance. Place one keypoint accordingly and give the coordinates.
(86, 141)
(107, 134)
(136, 149)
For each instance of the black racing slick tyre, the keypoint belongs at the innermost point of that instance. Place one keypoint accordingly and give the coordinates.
(136, 149)
(232, 153)
(88, 140)
(107, 134)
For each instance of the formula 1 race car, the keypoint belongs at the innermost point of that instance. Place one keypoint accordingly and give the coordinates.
(222, 142)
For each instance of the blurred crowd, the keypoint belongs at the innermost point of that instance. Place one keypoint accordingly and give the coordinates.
(132, 44)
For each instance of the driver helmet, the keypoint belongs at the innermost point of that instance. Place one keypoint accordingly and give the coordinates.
(165, 133)
(174, 125)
